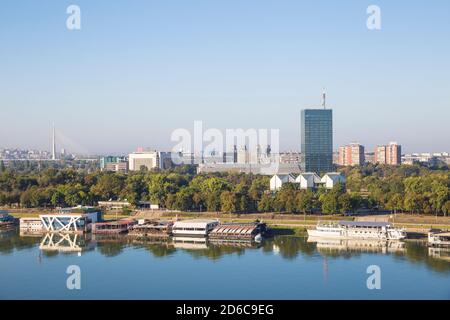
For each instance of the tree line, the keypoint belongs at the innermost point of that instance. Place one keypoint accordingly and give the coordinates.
(412, 189)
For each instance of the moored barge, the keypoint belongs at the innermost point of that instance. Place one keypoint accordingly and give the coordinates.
(113, 227)
(7, 221)
(152, 228)
(238, 231)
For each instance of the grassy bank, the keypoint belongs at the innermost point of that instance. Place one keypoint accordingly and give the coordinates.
(297, 223)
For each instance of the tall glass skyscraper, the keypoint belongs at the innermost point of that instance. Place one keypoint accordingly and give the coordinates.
(317, 140)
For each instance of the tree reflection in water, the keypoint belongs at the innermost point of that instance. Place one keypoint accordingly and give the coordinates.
(10, 240)
(289, 247)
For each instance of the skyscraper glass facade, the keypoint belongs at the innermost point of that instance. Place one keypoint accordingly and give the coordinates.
(317, 140)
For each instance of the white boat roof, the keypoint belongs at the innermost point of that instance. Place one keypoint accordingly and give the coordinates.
(30, 219)
(198, 223)
(370, 224)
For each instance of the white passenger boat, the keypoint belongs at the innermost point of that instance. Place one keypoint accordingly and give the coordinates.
(358, 230)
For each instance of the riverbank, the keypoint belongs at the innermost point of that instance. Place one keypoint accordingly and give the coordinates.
(411, 223)
(420, 224)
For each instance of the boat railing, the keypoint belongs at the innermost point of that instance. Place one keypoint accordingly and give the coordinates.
(328, 224)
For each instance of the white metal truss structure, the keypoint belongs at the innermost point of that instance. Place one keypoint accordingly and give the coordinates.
(60, 242)
(61, 223)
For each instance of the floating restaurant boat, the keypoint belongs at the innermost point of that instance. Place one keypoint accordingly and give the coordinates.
(358, 230)
(31, 226)
(112, 227)
(193, 228)
(152, 228)
(439, 238)
(239, 231)
(7, 220)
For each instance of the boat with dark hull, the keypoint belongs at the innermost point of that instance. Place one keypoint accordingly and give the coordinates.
(7, 221)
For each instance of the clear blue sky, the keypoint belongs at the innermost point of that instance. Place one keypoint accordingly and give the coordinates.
(137, 70)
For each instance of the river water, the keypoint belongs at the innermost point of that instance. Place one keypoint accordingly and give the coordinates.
(284, 267)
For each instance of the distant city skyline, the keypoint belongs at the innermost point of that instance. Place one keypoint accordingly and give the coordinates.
(137, 71)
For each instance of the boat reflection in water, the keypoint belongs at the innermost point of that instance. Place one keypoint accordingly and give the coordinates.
(287, 247)
(441, 253)
(357, 245)
(203, 243)
(112, 245)
(190, 243)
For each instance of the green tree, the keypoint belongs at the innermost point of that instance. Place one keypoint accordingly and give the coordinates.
(395, 203)
(413, 202)
(228, 201)
(305, 201)
(183, 199)
(330, 203)
(58, 198)
(197, 200)
(26, 198)
(170, 201)
(285, 199)
(345, 203)
(212, 189)
(108, 187)
(439, 195)
(446, 208)
(265, 204)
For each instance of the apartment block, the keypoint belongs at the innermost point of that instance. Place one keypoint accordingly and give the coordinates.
(351, 155)
(389, 154)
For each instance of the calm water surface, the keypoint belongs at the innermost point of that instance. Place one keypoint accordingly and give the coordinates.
(285, 267)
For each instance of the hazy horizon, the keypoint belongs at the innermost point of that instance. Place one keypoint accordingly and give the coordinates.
(138, 70)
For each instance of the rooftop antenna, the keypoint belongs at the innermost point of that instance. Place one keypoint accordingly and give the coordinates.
(324, 98)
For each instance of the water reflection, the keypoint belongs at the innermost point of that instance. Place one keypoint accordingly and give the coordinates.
(65, 242)
(287, 247)
(439, 253)
(345, 246)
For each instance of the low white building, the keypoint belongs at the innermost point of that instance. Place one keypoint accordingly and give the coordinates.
(277, 181)
(308, 180)
(330, 179)
(114, 205)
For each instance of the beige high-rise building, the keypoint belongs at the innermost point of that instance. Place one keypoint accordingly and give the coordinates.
(389, 154)
(351, 155)
(143, 159)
